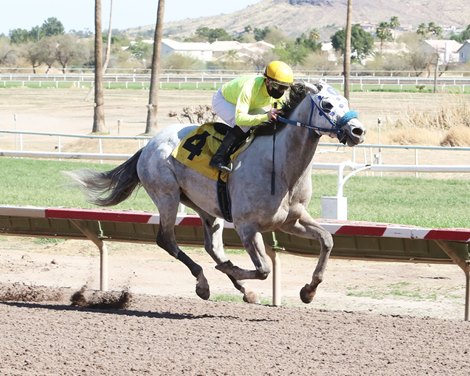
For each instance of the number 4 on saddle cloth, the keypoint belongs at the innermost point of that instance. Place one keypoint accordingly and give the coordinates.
(197, 148)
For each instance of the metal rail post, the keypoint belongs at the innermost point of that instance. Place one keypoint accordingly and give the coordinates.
(103, 252)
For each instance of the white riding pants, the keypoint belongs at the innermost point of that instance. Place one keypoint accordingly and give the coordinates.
(226, 110)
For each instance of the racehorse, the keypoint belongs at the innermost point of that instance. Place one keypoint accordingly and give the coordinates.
(311, 110)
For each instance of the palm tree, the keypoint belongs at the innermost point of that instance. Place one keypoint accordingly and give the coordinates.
(422, 30)
(435, 30)
(98, 118)
(383, 33)
(394, 22)
(151, 125)
(347, 51)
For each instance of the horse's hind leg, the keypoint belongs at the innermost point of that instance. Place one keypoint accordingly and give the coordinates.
(168, 209)
(306, 227)
(213, 244)
(254, 244)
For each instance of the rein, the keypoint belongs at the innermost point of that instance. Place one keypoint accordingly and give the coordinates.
(336, 127)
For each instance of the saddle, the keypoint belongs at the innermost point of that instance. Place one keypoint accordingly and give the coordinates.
(196, 150)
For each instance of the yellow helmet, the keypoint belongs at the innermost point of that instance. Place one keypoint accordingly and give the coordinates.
(280, 72)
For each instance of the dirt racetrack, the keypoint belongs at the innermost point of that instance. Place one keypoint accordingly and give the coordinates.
(367, 318)
(181, 336)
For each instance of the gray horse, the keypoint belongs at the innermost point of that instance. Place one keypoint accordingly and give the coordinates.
(309, 112)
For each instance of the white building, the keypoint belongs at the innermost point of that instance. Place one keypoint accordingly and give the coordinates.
(446, 49)
(197, 50)
(328, 50)
(219, 50)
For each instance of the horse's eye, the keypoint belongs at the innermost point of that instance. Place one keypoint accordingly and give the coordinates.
(326, 106)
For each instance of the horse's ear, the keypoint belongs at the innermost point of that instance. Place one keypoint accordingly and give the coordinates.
(315, 88)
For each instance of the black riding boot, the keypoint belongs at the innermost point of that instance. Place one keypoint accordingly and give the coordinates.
(231, 141)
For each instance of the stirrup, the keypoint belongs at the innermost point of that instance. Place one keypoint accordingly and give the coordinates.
(222, 167)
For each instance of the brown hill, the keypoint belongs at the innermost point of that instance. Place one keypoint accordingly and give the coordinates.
(297, 16)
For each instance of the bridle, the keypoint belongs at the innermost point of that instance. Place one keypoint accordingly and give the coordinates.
(336, 126)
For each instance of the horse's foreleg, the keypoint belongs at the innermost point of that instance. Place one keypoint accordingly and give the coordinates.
(213, 243)
(306, 227)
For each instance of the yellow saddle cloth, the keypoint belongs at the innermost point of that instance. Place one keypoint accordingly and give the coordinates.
(197, 148)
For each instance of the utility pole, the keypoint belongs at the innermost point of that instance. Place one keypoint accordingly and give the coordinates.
(347, 50)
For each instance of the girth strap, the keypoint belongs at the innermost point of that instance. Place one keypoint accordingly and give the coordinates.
(223, 196)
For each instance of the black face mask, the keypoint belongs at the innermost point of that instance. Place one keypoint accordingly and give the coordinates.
(275, 89)
(276, 94)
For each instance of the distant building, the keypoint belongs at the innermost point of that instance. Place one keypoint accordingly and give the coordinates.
(197, 50)
(216, 51)
(391, 48)
(368, 27)
(464, 52)
(328, 50)
(446, 49)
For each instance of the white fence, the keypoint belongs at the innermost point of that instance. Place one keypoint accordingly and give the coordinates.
(215, 79)
(371, 154)
(371, 158)
(19, 142)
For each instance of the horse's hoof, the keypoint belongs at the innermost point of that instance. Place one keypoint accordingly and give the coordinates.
(251, 297)
(202, 287)
(306, 295)
(203, 292)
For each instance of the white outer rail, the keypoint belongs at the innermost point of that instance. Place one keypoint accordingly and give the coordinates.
(318, 166)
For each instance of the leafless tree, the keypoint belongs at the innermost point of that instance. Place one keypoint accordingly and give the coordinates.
(151, 125)
(110, 35)
(32, 54)
(98, 118)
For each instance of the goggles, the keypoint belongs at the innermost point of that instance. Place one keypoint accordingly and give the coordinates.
(278, 86)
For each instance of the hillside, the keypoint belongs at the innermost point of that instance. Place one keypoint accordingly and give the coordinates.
(297, 16)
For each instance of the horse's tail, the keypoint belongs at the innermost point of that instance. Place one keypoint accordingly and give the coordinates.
(111, 187)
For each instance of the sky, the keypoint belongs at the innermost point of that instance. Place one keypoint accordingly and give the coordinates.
(79, 14)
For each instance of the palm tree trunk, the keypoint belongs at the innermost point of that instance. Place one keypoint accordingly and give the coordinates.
(347, 51)
(151, 125)
(98, 118)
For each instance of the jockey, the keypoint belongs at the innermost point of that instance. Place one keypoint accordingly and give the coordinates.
(241, 102)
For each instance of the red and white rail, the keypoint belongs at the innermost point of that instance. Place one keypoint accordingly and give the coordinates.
(347, 228)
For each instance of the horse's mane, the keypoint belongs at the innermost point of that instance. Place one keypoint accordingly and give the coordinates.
(297, 93)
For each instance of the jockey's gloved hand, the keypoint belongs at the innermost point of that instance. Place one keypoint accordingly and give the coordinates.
(272, 114)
